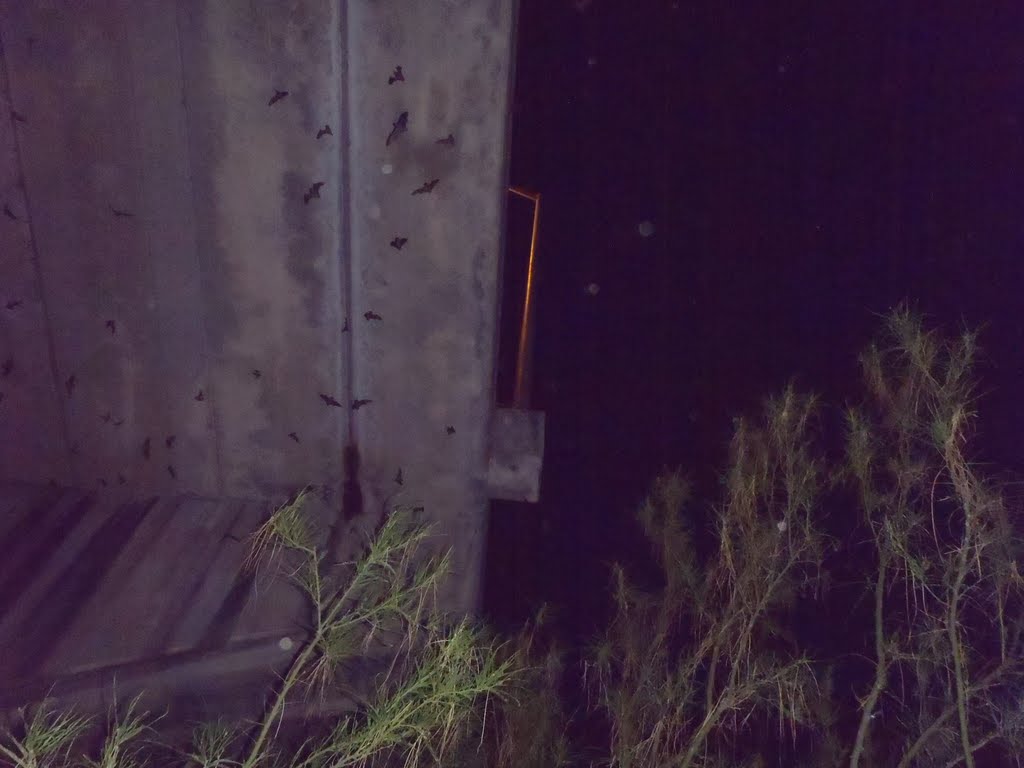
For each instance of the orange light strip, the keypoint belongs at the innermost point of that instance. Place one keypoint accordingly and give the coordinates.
(526, 326)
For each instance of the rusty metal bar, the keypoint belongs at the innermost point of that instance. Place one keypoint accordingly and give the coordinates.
(524, 355)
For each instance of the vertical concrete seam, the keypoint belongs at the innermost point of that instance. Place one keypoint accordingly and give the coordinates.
(51, 346)
(210, 388)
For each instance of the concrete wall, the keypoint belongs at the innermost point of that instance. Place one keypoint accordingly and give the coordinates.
(162, 241)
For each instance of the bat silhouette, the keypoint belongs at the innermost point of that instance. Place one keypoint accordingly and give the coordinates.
(400, 126)
(427, 187)
(8, 366)
(398, 242)
(418, 510)
(357, 404)
(145, 449)
(372, 316)
(171, 472)
(278, 95)
(330, 401)
(9, 213)
(119, 422)
(70, 384)
(200, 397)
(120, 479)
(314, 191)
(18, 116)
(449, 430)
(112, 326)
(397, 76)
(448, 141)
(122, 214)
(325, 131)
(398, 476)
(293, 436)
(344, 328)
(106, 417)
(256, 373)
(169, 442)
(14, 304)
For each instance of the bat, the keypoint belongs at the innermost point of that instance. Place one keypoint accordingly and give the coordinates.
(171, 472)
(328, 400)
(397, 76)
(344, 328)
(7, 367)
(256, 373)
(145, 449)
(400, 126)
(9, 213)
(14, 304)
(18, 117)
(120, 479)
(293, 436)
(357, 404)
(398, 476)
(418, 510)
(427, 187)
(398, 242)
(278, 95)
(70, 384)
(200, 397)
(449, 430)
(448, 141)
(112, 326)
(119, 422)
(314, 191)
(106, 417)
(121, 214)
(169, 442)
(372, 316)
(325, 131)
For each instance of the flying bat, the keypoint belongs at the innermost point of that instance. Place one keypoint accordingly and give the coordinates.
(427, 188)
(293, 436)
(448, 141)
(18, 116)
(397, 76)
(200, 397)
(256, 373)
(171, 472)
(8, 366)
(9, 213)
(70, 384)
(372, 316)
(325, 131)
(14, 304)
(357, 404)
(328, 400)
(120, 213)
(398, 242)
(450, 430)
(169, 442)
(400, 126)
(145, 448)
(398, 476)
(278, 95)
(112, 326)
(106, 417)
(119, 422)
(314, 191)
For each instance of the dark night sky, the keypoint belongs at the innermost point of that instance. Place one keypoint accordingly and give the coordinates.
(805, 165)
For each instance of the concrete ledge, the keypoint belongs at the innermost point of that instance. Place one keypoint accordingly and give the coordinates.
(517, 455)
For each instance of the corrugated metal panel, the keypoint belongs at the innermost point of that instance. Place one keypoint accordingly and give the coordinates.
(93, 582)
